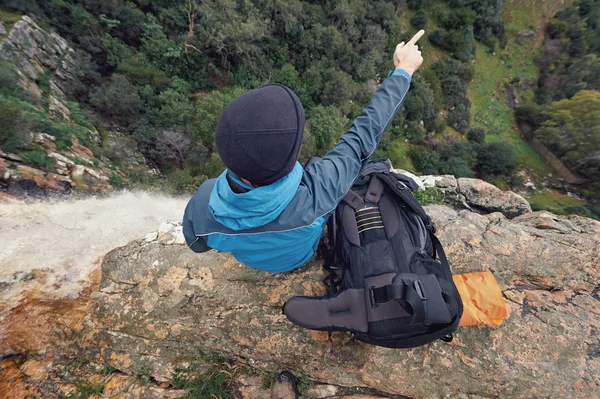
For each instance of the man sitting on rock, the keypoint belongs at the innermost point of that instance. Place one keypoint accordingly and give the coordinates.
(265, 208)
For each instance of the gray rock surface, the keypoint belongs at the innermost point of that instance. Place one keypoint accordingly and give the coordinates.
(478, 195)
(34, 52)
(159, 303)
(2, 29)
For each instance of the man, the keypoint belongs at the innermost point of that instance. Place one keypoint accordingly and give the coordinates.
(265, 208)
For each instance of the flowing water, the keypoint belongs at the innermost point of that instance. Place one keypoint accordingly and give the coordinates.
(49, 248)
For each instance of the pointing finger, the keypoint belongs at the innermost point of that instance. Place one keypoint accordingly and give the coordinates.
(416, 37)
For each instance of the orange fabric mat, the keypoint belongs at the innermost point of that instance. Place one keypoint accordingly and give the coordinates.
(482, 299)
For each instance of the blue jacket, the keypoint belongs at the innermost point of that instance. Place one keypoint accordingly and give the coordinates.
(277, 228)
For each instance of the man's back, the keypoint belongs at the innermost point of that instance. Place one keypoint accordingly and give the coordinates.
(276, 227)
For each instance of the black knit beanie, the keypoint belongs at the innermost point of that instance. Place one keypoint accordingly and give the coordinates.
(259, 134)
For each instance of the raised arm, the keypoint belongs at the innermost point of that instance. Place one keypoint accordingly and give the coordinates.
(331, 178)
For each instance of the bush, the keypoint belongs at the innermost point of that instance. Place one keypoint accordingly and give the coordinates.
(425, 161)
(37, 158)
(419, 20)
(496, 158)
(437, 38)
(326, 125)
(414, 131)
(116, 181)
(12, 125)
(184, 182)
(457, 167)
(460, 117)
(455, 90)
(430, 195)
(117, 99)
(476, 135)
(556, 28)
(515, 181)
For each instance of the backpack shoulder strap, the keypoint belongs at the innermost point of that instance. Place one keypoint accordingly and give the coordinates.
(403, 193)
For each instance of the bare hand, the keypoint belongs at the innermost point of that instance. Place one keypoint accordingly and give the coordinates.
(408, 56)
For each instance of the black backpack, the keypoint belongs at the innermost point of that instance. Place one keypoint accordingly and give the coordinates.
(386, 285)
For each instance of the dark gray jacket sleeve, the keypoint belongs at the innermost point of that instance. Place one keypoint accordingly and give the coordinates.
(195, 243)
(331, 178)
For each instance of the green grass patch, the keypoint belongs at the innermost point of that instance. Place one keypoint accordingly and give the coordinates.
(85, 389)
(430, 196)
(554, 202)
(8, 19)
(208, 376)
(37, 158)
(498, 181)
(267, 379)
(398, 154)
(303, 384)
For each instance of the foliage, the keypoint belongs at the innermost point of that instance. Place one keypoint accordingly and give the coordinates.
(419, 20)
(37, 158)
(208, 377)
(572, 131)
(430, 196)
(303, 384)
(116, 181)
(326, 125)
(414, 131)
(457, 167)
(87, 389)
(476, 135)
(459, 117)
(496, 158)
(426, 162)
(117, 99)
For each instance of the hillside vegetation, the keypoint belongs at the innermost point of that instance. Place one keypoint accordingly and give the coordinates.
(163, 70)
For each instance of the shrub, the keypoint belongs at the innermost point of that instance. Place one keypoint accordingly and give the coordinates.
(460, 117)
(117, 99)
(414, 131)
(116, 181)
(476, 135)
(515, 181)
(37, 158)
(419, 20)
(425, 161)
(496, 158)
(326, 125)
(457, 167)
(430, 195)
(12, 125)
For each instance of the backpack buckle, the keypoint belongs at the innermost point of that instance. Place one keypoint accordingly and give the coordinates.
(374, 304)
(420, 289)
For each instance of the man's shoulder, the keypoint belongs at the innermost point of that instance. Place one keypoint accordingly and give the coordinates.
(199, 202)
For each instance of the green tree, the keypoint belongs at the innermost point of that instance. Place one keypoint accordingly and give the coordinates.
(326, 125)
(414, 131)
(117, 99)
(496, 158)
(476, 135)
(460, 117)
(419, 20)
(425, 161)
(457, 167)
(572, 131)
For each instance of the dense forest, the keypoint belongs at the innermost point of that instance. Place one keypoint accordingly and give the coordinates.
(566, 113)
(163, 69)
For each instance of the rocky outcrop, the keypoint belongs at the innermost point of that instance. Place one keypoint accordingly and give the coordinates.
(35, 52)
(160, 303)
(157, 306)
(478, 195)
